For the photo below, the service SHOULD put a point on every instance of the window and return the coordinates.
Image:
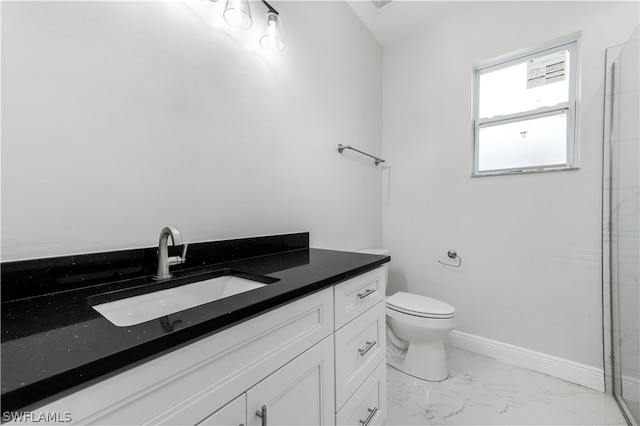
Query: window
(524, 113)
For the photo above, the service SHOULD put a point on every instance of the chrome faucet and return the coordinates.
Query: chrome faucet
(164, 261)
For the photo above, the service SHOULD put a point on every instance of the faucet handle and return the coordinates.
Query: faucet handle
(178, 260)
(183, 258)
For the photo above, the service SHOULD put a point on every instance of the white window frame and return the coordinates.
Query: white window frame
(568, 107)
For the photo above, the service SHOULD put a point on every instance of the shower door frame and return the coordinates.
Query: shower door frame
(609, 281)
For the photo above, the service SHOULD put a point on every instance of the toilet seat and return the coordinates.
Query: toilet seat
(420, 306)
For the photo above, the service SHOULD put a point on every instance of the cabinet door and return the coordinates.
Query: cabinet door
(232, 414)
(300, 393)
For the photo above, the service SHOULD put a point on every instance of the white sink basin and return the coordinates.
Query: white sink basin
(138, 309)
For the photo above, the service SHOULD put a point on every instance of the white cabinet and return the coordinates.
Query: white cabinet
(282, 360)
(185, 386)
(232, 414)
(300, 393)
(360, 346)
(355, 296)
(368, 405)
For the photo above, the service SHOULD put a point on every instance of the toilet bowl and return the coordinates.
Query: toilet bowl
(416, 328)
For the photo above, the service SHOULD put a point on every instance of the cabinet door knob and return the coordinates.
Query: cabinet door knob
(372, 412)
(262, 413)
(367, 348)
(366, 293)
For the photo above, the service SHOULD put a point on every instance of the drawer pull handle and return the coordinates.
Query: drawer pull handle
(262, 413)
(372, 412)
(367, 292)
(368, 348)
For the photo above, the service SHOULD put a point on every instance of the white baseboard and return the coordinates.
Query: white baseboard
(631, 388)
(565, 369)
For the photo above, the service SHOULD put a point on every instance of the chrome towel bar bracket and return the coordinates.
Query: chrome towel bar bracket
(376, 160)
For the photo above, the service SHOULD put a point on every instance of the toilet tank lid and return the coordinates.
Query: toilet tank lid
(384, 252)
(419, 304)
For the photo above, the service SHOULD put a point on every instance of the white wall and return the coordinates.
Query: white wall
(531, 244)
(119, 118)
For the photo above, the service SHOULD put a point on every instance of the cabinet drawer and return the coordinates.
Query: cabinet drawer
(368, 406)
(358, 294)
(360, 346)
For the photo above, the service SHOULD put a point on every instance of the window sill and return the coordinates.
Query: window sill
(523, 172)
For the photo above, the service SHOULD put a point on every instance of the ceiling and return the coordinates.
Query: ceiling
(400, 18)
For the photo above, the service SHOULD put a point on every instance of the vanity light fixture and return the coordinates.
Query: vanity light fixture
(238, 15)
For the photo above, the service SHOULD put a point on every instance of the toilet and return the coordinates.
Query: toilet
(416, 328)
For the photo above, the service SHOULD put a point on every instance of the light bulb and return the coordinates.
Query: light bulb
(271, 39)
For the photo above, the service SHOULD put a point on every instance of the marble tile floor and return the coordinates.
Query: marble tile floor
(483, 391)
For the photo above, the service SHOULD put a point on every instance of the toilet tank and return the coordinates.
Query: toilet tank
(381, 251)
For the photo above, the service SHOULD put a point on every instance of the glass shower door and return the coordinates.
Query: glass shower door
(625, 227)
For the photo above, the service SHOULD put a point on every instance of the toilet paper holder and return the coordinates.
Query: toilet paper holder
(452, 255)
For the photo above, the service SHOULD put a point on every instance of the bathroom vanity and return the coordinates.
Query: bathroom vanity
(307, 348)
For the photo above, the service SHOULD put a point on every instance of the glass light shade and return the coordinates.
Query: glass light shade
(271, 39)
(238, 14)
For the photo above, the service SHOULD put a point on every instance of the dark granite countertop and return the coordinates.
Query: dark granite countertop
(54, 342)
